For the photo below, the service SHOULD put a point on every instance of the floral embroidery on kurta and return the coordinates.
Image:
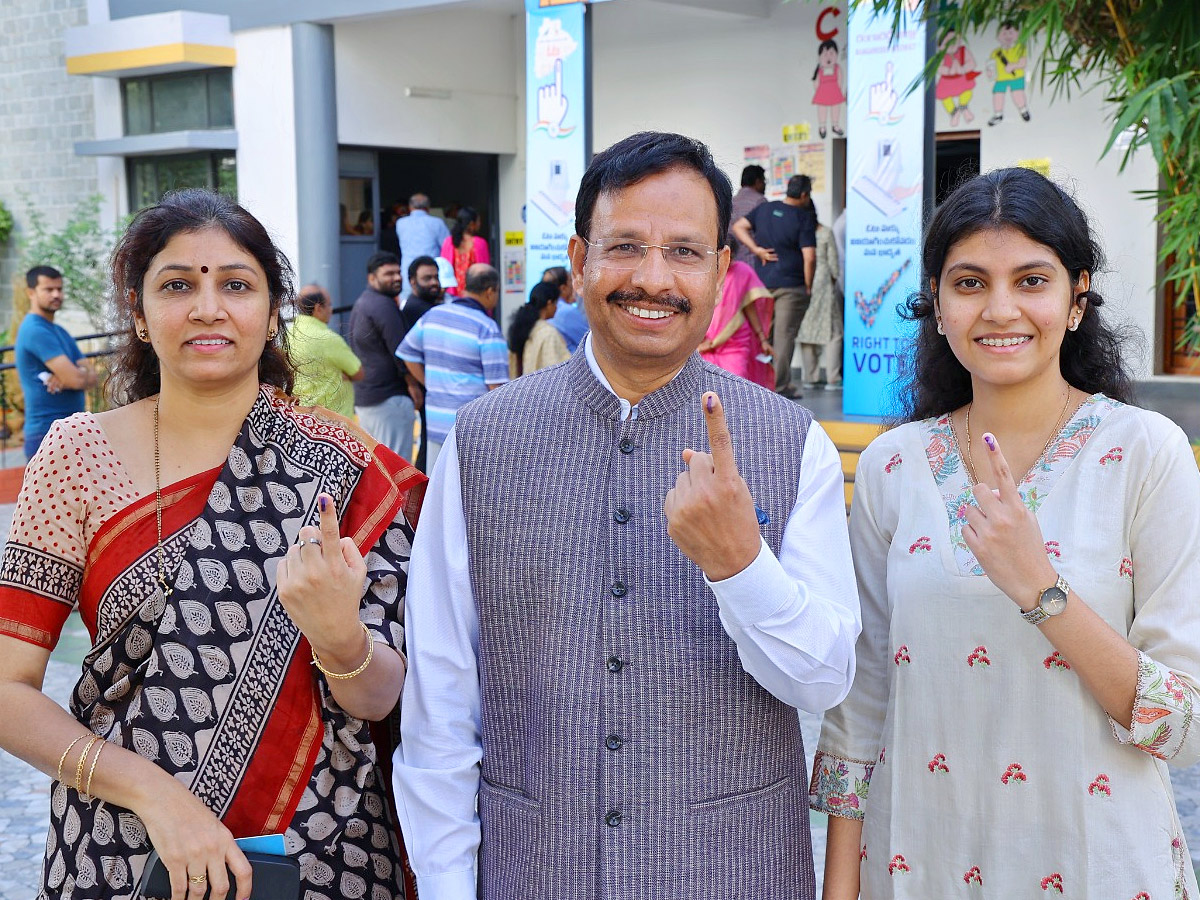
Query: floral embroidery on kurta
(1053, 882)
(1014, 774)
(1056, 661)
(1160, 693)
(890, 466)
(898, 865)
(1100, 786)
(839, 786)
(973, 876)
(979, 657)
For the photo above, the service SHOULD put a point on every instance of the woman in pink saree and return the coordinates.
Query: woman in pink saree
(737, 339)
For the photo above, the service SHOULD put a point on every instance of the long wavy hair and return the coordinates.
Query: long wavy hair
(520, 326)
(135, 374)
(932, 380)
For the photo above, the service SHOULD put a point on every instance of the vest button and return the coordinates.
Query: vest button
(615, 664)
(613, 742)
(626, 446)
(622, 515)
(619, 589)
(613, 819)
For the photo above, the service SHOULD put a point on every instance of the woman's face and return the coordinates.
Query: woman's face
(206, 306)
(1006, 302)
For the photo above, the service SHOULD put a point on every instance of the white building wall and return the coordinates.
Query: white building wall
(264, 114)
(468, 54)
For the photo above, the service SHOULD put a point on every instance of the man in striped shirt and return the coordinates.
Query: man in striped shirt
(458, 352)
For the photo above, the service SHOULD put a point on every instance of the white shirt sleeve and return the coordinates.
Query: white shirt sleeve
(795, 619)
(436, 766)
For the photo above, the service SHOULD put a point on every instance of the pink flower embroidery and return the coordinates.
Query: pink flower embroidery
(979, 656)
(921, 545)
(1126, 570)
(1053, 882)
(1100, 785)
(1055, 661)
(898, 865)
(973, 876)
(1115, 455)
(892, 463)
(902, 657)
(938, 763)
(1171, 686)
(882, 755)
(1053, 548)
(1013, 773)
(1141, 895)
(862, 854)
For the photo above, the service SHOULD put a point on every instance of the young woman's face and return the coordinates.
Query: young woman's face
(1006, 302)
(207, 308)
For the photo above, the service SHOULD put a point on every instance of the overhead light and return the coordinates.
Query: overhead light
(427, 93)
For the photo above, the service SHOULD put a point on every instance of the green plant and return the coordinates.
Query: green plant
(6, 224)
(1145, 56)
(79, 249)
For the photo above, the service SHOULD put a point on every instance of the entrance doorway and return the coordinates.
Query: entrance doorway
(451, 180)
(956, 160)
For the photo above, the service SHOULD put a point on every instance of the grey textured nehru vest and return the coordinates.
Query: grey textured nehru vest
(626, 753)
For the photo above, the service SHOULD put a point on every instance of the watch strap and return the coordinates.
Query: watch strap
(1038, 614)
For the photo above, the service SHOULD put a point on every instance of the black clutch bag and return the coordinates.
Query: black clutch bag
(275, 878)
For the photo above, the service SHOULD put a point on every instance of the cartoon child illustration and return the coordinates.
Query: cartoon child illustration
(1006, 65)
(956, 79)
(830, 93)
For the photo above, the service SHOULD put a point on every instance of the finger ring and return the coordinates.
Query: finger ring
(316, 541)
(198, 879)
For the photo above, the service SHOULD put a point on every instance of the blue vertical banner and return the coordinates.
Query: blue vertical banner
(555, 129)
(885, 162)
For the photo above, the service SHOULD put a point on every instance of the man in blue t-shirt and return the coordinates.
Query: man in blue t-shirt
(53, 373)
(782, 235)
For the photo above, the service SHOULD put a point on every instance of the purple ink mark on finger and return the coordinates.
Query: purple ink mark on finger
(989, 440)
(709, 402)
(321, 501)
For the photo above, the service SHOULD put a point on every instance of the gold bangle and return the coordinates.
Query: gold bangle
(62, 759)
(83, 759)
(87, 791)
(362, 668)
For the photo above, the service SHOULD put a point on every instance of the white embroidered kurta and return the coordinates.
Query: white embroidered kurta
(981, 764)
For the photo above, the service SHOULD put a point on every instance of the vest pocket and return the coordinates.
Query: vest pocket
(495, 797)
(737, 801)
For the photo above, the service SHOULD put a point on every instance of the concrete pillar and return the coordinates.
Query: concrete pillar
(316, 154)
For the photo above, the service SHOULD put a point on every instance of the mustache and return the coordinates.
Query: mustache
(675, 301)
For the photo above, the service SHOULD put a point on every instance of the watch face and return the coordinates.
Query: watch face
(1053, 601)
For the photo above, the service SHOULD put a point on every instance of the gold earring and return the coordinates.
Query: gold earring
(939, 326)
(271, 334)
(143, 335)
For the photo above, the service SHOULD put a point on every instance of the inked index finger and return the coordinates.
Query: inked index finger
(330, 530)
(1000, 470)
(719, 440)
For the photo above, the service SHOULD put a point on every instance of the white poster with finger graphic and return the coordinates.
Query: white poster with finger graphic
(885, 179)
(555, 120)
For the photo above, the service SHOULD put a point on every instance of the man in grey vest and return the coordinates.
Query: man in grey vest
(631, 569)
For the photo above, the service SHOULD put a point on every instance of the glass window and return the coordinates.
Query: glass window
(152, 176)
(179, 102)
(356, 206)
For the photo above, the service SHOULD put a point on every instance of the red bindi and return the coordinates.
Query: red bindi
(204, 269)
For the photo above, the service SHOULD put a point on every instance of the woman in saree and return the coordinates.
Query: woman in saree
(239, 563)
(737, 336)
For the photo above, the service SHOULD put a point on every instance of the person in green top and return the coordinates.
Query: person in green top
(325, 364)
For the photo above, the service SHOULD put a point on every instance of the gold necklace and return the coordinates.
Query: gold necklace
(1062, 418)
(162, 564)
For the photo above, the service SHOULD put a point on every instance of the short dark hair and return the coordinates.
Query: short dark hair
(135, 374)
(751, 174)
(381, 259)
(798, 186)
(556, 275)
(480, 279)
(417, 263)
(932, 380)
(309, 300)
(31, 277)
(641, 155)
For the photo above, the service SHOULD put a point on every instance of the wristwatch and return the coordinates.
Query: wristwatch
(1051, 602)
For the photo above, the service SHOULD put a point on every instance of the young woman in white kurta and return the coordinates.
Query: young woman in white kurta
(980, 755)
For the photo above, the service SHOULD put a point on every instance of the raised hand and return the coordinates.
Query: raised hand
(320, 584)
(882, 97)
(710, 514)
(552, 105)
(1005, 536)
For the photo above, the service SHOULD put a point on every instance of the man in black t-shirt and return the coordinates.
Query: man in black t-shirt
(782, 235)
(386, 399)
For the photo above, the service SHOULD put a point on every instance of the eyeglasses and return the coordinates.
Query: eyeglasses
(682, 257)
